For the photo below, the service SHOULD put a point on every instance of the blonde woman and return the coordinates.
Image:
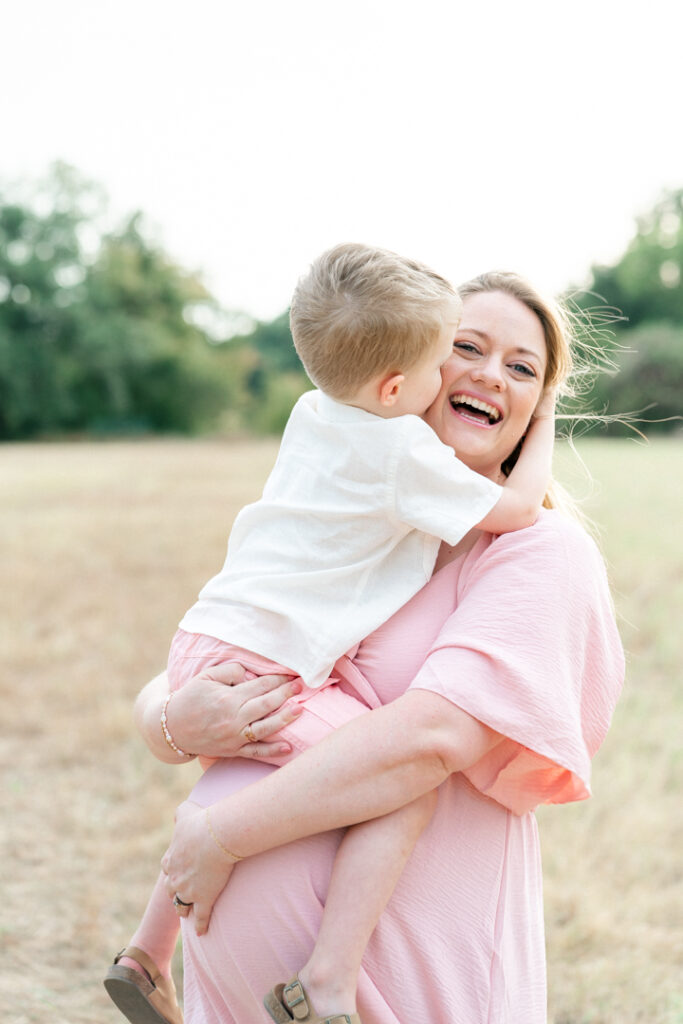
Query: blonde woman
(497, 680)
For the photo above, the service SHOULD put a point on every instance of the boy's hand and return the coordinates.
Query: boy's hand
(546, 404)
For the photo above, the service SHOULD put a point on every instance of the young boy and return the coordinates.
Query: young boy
(347, 531)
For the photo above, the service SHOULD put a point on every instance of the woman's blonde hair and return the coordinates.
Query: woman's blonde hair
(570, 356)
(362, 311)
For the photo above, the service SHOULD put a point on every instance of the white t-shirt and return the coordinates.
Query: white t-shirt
(347, 530)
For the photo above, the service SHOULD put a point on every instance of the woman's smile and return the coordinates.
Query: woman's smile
(476, 409)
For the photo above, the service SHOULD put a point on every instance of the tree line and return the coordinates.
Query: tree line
(642, 294)
(102, 333)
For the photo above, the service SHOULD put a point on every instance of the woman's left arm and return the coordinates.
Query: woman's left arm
(371, 766)
(534, 627)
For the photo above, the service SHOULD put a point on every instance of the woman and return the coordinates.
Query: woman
(498, 681)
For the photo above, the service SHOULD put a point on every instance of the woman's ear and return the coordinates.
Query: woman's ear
(390, 389)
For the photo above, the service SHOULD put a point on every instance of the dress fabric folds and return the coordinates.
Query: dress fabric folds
(519, 633)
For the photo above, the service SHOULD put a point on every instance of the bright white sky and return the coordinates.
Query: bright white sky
(526, 135)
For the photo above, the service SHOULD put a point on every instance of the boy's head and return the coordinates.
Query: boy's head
(362, 312)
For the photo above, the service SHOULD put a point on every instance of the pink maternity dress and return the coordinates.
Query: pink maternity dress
(520, 633)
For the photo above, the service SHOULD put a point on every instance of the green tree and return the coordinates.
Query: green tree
(646, 283)
(143, 363)
(648, 384)
(275, 377)
(98, 331)
(646, 286)
(273, 342)
(42, 267)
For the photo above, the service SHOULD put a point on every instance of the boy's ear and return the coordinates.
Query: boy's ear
(390, 388)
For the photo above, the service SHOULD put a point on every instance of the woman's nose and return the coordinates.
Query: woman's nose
(490, 373)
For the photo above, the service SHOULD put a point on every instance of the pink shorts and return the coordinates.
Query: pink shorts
(325, 708)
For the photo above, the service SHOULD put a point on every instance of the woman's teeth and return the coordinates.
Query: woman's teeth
(490, 411)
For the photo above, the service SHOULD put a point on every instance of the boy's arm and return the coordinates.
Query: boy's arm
(525, 488)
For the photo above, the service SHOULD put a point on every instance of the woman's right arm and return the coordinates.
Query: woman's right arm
(209, 715)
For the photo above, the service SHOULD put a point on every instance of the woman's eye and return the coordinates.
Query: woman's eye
(465, 346)
(523, 368)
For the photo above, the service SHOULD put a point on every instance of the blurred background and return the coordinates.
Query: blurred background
(167, 174)
(167, 171)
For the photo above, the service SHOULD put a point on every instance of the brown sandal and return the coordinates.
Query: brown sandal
(143, 1000)
(287, 1003)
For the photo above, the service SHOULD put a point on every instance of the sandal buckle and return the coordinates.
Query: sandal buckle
(294, 994)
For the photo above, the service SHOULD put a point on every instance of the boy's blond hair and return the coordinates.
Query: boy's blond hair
(361, 312)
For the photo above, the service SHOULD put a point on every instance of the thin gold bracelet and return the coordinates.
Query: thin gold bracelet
(217, 841)
(166, 731)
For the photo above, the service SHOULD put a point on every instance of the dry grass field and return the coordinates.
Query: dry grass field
(103, 546)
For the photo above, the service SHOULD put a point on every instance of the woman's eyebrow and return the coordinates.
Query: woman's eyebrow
(528, 352)
(473, 330)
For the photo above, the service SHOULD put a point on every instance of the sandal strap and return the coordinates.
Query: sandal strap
(140, 957)
(294, 998)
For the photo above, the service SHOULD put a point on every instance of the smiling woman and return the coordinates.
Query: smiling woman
(498, 681)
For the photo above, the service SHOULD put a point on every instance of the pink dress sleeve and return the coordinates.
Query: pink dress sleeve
(532, 651)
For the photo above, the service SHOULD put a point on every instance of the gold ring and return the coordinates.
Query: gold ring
(249, 734)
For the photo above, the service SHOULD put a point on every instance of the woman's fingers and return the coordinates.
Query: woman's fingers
(202, 916)
(265, 707)
(259, 731)
(266, 751)
(181, 904)
(263, 729)
(265, 687)
(230, 673)
(212, 886)
(182, 907)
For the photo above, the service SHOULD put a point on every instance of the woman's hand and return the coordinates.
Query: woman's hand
(219, 713)
(196, 868)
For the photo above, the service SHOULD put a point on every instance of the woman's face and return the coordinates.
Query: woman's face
(492, 382)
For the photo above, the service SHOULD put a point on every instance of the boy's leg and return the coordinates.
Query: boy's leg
(370, 860)
(371, 856)
(157, 932)
(140, 984)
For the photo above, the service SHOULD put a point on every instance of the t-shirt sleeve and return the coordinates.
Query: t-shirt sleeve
(433, 491)
(532, 650)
